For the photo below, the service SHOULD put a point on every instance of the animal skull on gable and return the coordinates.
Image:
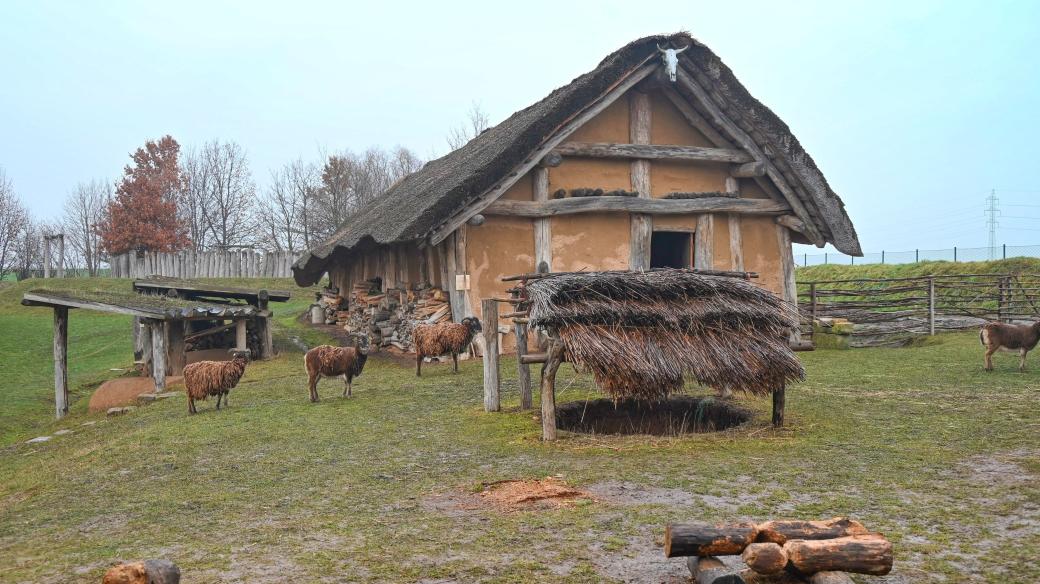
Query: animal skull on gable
(671, 60)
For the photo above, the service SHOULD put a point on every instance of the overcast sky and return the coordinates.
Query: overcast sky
(913, 110)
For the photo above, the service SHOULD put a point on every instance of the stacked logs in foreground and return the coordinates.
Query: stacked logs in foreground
(780, 552)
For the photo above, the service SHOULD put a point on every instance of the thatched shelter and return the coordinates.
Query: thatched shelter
(641, 333)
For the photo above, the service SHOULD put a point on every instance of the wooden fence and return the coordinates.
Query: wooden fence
(207, 264)
(889, 311)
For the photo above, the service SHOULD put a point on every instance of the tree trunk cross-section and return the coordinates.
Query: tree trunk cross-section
(765, 558)
(706, 539)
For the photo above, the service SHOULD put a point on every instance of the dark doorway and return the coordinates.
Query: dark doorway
(671, 249)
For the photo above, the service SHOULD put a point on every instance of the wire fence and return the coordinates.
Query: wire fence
(953, 254)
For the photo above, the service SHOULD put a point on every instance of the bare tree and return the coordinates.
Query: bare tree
(191, 203)
(13, 221)
(28, 250)
(229, 193)
(84, 211)
(284, 217)
(476, 122)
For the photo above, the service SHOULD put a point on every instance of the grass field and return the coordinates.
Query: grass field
(843, 272)
(918, 443)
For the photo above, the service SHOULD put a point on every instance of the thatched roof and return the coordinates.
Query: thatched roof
(639, 333)
(134, 304)
(423, 200)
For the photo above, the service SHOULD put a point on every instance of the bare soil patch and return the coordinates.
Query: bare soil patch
(123, 391)
(510, 495)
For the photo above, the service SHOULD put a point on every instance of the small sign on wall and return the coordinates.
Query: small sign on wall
(462, 281)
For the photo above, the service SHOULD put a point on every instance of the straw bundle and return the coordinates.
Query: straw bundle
(639, 333)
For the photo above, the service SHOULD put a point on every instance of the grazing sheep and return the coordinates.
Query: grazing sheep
(207, 378)
(146, 572)
(1010, 337)
(433, 340)
(330, 361)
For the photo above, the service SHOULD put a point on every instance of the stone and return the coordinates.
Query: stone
(38, 439)
(145, 398)
(167, 394)
(90, 423)
(62, 432)
(120, 411)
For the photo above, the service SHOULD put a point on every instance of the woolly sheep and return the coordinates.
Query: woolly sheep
(331, 361)
(432, 340)
(207, 378)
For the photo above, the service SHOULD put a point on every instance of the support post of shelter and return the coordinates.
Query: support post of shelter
(554, 358)
(492, 385)
(523, 370)
(159, 355)
(778, 406)
(177, 354)
(240, 335)
(61, 361)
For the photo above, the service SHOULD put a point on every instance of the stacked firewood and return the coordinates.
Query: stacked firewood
(780, 552)
(390, 317)
(332, 304)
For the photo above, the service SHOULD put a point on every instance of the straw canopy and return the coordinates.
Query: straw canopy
(639, 333)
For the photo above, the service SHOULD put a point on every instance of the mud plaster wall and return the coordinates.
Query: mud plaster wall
(502, 246)
(761, 251)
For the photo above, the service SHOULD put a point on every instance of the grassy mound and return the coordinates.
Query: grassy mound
(845, 272)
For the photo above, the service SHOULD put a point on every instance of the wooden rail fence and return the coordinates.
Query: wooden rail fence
(207, 264)
(889, 311)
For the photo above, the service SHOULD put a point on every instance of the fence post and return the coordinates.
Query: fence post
(882, 256)
(523, 373)
(1003, 254)
(805, 260)
(955, 253)
(852, 260)
(489, 311)
(812, 301)
(917, 256)
(825, 258)
(931, 305)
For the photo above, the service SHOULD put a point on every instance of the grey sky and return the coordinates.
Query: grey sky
(914, 111)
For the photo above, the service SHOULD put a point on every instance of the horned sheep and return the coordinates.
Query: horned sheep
(432, 340)
(207, 378)
(328, 361)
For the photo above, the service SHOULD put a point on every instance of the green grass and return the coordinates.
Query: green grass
(843, 272)
(918, 443)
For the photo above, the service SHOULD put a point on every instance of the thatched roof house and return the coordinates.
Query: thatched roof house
(640, 333)
(690, 172)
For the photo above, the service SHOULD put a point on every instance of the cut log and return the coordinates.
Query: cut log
(749, 576)
(765, 558)
(860, 554)
(706, 539)
(779, 532)
(830, 578)
(711, 570)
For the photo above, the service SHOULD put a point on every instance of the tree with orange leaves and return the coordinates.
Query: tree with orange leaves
(143, 214)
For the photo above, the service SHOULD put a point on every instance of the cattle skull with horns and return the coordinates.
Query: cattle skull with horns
(671, 60)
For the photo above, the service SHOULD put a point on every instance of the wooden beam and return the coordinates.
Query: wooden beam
(787, 274)
(651, 151)
(791, 222)
(745, 141)
(736, 243)
(159, 355)
(704, 243)
(33, 299)
(641, 225)
(552, 364)
(175, 336)
(492, 383)
(61, 361)
(489, 196)
(241, 343)
(551, 160)
(572, 205)
(542, 225)
(749, 170)
(523, 370)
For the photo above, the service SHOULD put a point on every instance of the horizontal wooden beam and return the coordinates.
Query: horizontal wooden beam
(652, 152)
(749, 170)
(791, 222)
(574, 205)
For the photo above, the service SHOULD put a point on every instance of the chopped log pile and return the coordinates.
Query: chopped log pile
(387, 317)
(777, 552)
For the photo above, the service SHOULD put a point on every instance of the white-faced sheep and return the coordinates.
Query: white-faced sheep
(328, 361)
(433, 340)
(207, 378)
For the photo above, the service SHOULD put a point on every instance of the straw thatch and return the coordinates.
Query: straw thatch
(639, 333)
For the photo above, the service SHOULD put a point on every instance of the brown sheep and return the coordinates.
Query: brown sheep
(146, 572)
(330, 361)
(433, 340)
(1010, 337)
(207, 378)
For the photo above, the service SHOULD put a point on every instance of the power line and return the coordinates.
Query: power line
(991, 221)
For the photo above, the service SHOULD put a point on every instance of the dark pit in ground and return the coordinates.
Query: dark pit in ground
(671, 417)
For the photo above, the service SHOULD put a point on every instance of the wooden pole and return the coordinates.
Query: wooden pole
(492, 385)
(642, 225)
(240, 335)
(61, 361)
(159, 355)
(542, 225)
(178, 356)
(523, 370)
(812, 301)
(931, 306)
(548, 386)
(778, 406)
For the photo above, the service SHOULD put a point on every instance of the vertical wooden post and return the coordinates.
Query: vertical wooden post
(542, 225)
(61, 361)
(159, 355)
(263, 324)
(175, 336)
(46, 256)
(736, 243)
(492, 386)
(642, 225)
(812, 301)
(778, 406)
(523, 370)
(554, 358)
(790, 286)
(240, 335)
(704, 243)
(931, 306)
